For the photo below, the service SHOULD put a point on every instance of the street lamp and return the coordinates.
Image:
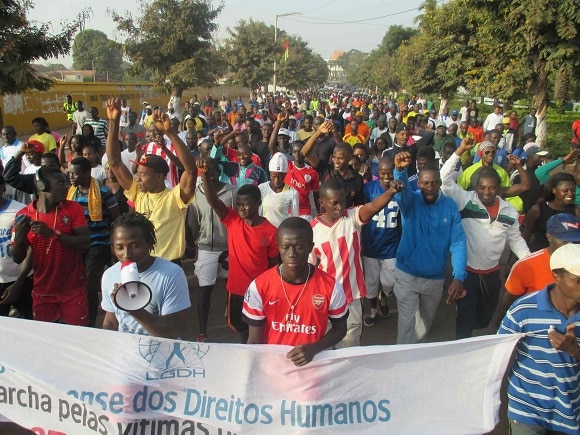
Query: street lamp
(94, 73)
(276, 39)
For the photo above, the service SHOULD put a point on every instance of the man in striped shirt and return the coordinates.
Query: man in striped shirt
(544, 385)
(100, 126)
(101, 209)
(337, 249)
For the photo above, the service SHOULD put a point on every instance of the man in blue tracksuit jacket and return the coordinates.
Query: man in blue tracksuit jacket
(431, 230)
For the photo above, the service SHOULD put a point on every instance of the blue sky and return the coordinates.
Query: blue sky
(327, 25)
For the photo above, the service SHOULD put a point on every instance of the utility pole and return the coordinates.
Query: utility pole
(276, 39)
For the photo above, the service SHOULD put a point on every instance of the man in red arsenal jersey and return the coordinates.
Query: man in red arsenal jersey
(292, 303)
(57, 232)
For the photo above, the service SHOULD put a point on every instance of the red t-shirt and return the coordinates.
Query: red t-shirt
(477, 133)
(304, 180)
(249, 249)
(266, 303)
(57, 269)
(576, 129)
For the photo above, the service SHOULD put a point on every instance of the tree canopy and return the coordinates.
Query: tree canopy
(172, 39)
(250, 52)
(23, 43)
(92, 48)
(506, 49)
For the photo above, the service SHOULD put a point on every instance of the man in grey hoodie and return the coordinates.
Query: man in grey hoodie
(211, 239)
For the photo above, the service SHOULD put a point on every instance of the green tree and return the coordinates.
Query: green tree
(537, 39)
(350, 62)
(378, 70)
(23, 43)
(250, 52)
(427, 6)
(93, 49)
(173, 39)
(394, 37)
(56, 67)
(436, 59)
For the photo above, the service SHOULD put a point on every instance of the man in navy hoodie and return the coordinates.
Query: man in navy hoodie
(432, 230)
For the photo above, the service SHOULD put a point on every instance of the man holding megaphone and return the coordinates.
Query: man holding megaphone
(143, 294)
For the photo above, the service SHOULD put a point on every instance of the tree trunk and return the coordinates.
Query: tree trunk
(561, 88)
(540, 101)
(175, 98)
(444, 101)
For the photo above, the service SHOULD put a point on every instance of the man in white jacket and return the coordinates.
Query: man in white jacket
(489, 223)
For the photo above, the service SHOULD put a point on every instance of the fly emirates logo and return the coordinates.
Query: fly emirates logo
(293, 325)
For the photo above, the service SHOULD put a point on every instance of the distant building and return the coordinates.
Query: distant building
(335, 72)
(70, 75)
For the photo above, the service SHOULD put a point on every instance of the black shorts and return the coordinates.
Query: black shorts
(24, 302)
(235, 305)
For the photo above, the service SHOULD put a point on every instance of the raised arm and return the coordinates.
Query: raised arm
(61, 156)
(404, 197)
(12, 175)
(308, 149)
(449, 186)
(189, 176)
(211, 195)
(113, 151)
(526, 180)
(370, 209)
(273, 143)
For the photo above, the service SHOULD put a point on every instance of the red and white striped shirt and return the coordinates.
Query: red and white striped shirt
(337, 247)
(172, 176)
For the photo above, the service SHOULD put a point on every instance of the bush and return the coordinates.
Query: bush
(559, 132)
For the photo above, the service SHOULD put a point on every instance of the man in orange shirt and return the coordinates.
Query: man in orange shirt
(476, 130)
(354, 136)
(362, 129)
(533, 273)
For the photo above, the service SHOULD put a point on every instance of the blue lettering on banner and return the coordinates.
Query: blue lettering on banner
(321, 415)
(169, 360)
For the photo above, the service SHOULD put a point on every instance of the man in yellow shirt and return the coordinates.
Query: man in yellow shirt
(40, 127)
(166, 208)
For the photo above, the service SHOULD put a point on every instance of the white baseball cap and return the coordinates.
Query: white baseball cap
(566, 257)
(278, 163)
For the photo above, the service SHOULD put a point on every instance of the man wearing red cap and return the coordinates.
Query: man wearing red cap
(165, 207)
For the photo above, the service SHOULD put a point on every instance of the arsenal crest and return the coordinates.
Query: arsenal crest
(65, 220)
(318, 301)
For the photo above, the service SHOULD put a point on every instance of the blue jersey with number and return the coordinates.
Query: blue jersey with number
(380, 236)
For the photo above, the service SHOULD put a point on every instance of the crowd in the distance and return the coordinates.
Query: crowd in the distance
(309, 203)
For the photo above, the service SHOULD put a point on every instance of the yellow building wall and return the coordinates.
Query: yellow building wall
(19, 109)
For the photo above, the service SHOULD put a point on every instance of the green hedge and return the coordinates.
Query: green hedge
(560, 132)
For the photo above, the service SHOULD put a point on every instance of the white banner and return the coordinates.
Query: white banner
(72, 380)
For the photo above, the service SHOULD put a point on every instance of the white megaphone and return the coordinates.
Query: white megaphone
(132, 294)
